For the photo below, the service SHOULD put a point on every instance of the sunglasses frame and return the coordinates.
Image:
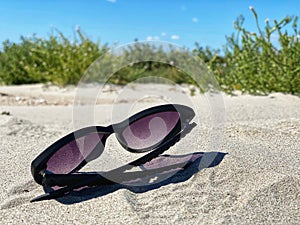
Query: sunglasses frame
(186, 114)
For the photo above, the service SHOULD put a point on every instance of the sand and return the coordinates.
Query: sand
(258, 182)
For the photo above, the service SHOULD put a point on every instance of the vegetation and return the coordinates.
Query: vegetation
(253, 64)
(250, 62)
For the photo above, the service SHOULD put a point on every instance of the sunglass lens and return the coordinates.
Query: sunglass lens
(71, 155)
(150, 130)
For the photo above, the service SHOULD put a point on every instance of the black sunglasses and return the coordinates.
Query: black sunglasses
(155, 129)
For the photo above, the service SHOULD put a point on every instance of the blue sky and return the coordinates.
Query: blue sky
(121, 21)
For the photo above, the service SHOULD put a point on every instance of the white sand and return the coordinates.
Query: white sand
(258, 182)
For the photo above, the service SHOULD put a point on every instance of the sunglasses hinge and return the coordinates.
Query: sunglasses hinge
(42, 173)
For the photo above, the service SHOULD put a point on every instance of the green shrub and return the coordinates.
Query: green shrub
(254, 65)
(56, 60)
(251, 62)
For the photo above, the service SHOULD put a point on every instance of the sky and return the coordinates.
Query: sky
(182, 22)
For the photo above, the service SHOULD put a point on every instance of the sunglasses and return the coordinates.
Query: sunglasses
(155, 129)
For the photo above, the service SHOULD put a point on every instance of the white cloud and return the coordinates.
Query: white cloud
(163, 34)
(175, 37)
(152, 38)
(195, 20)
(149, 38)
(112, 1)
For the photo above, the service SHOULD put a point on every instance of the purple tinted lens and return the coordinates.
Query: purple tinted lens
(150, 130)
(68, 157)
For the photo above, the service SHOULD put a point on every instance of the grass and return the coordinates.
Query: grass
(251, 63)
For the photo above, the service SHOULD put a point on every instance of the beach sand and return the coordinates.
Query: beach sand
(257, 182)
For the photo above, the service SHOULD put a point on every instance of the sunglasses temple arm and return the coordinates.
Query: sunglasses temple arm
(62, 180)
(94, 180)
(87, 182)
(61, 192)
(100, 180)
